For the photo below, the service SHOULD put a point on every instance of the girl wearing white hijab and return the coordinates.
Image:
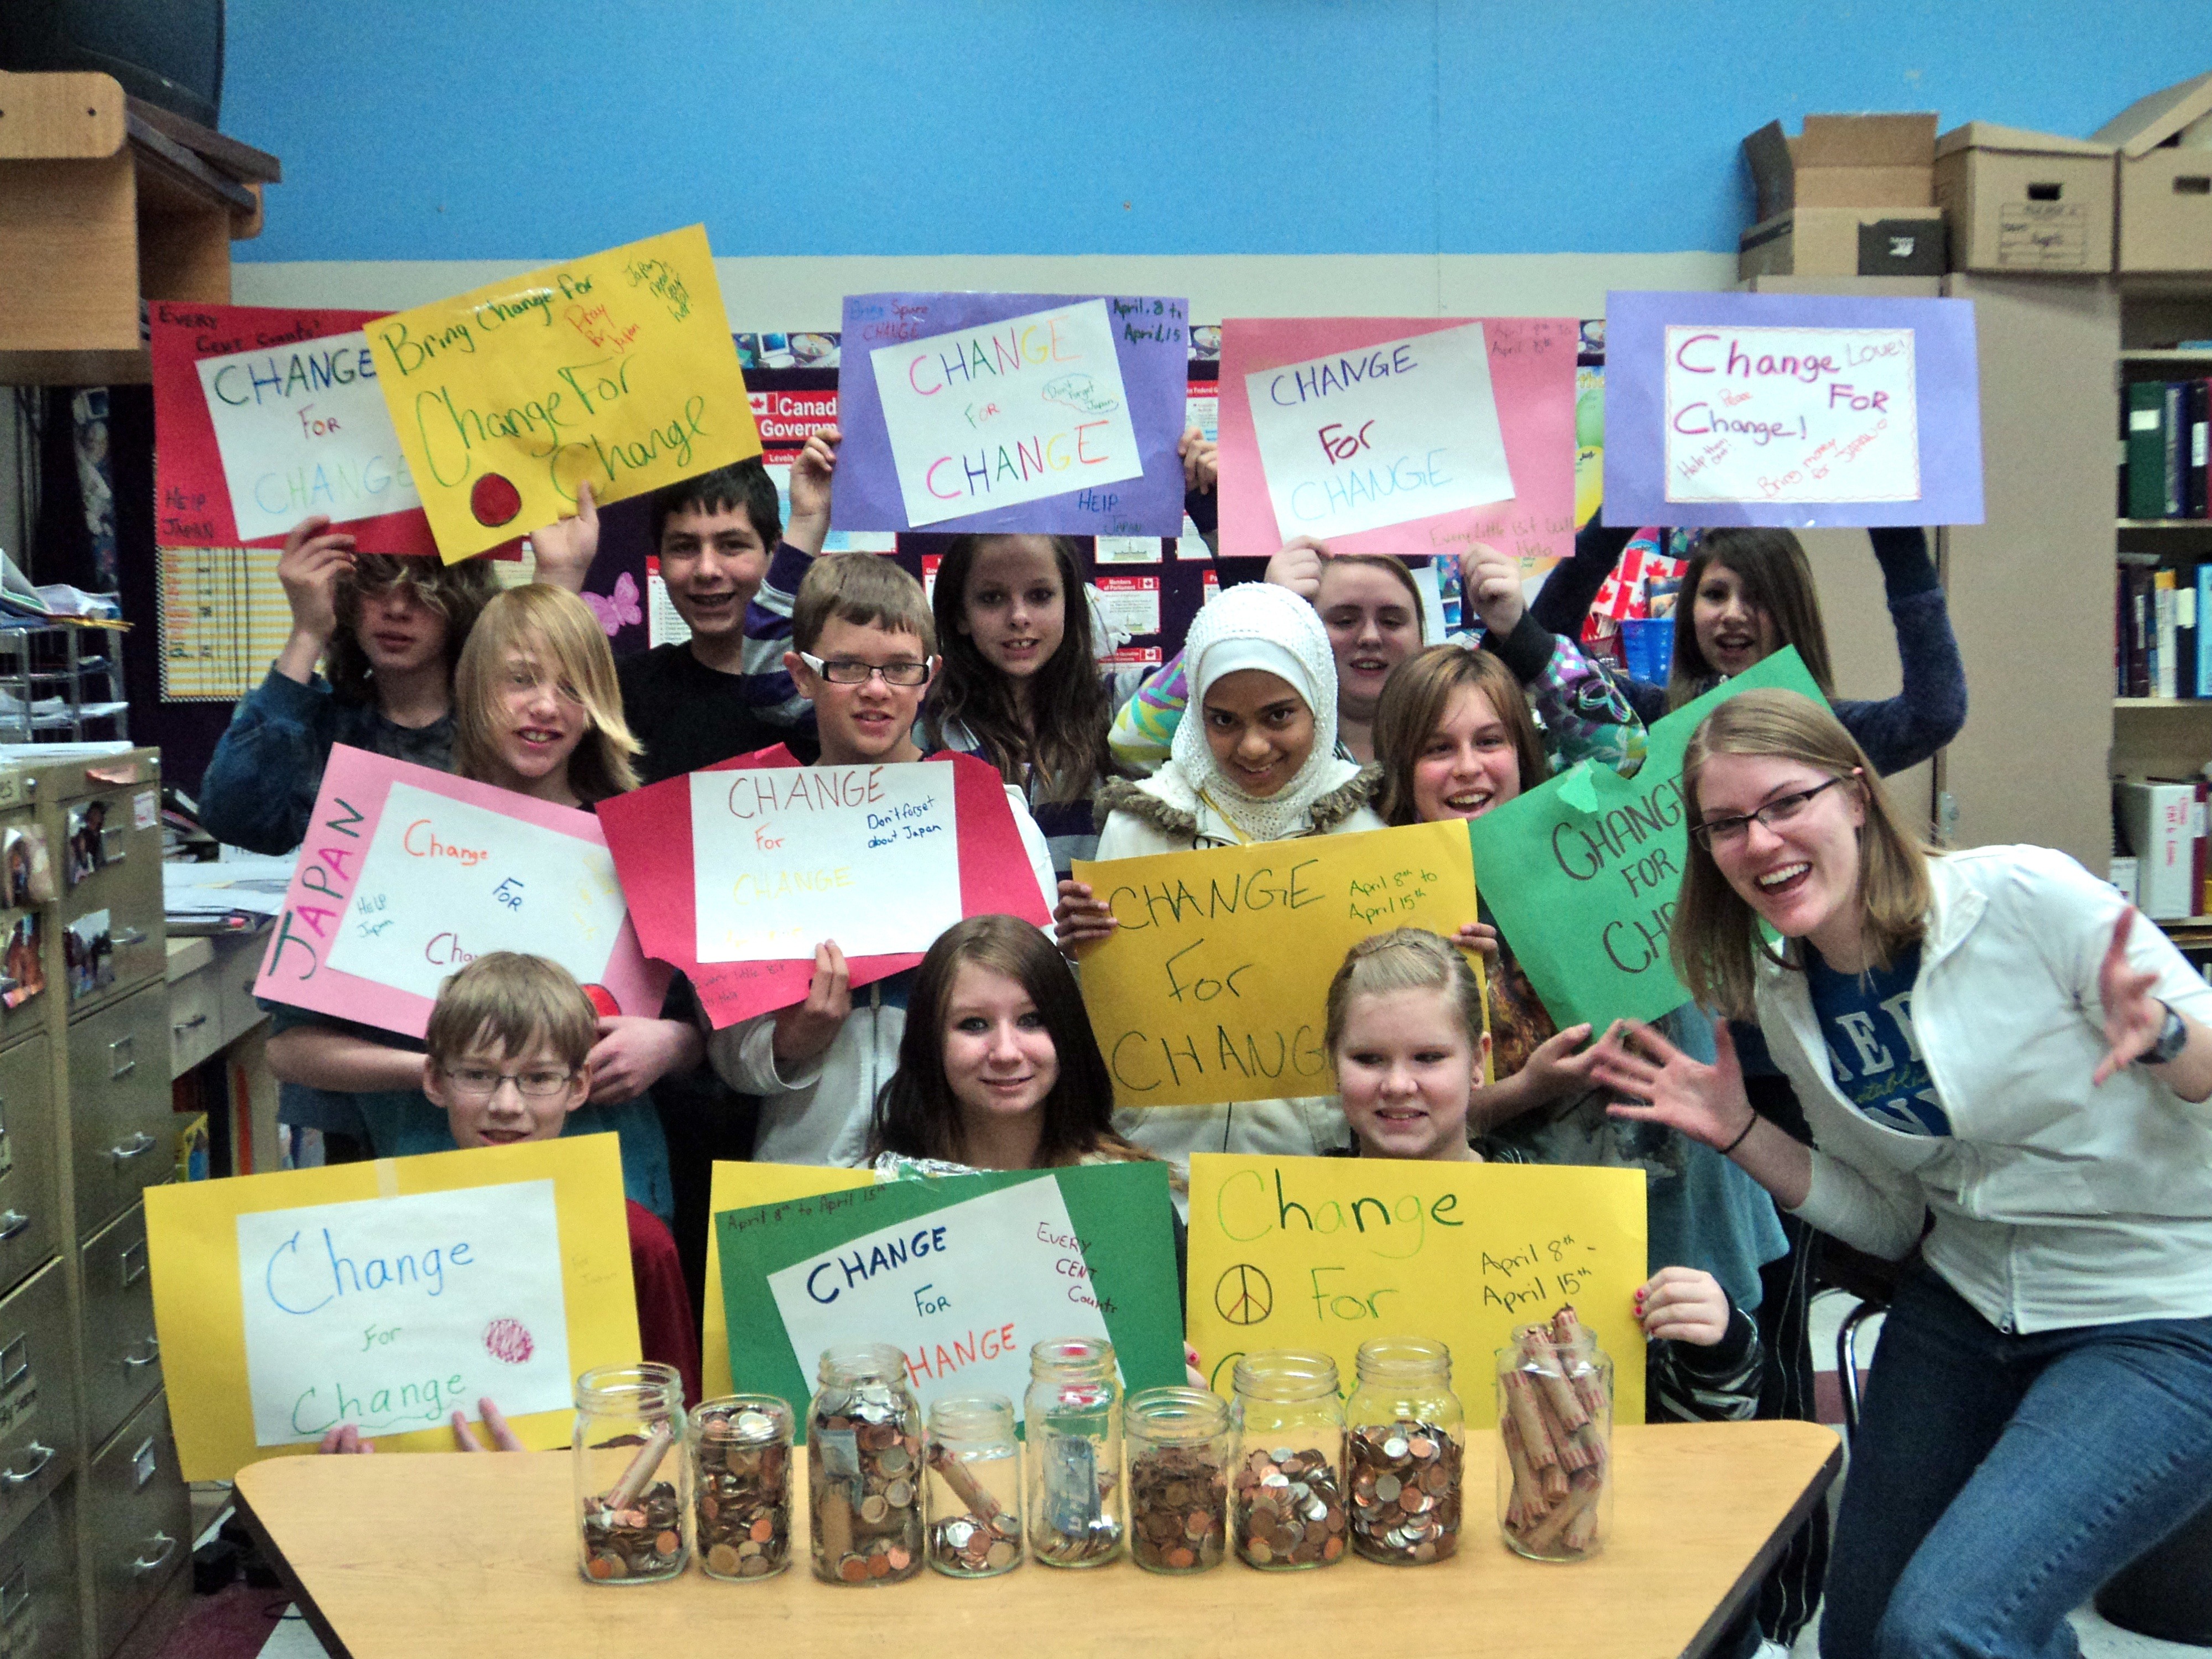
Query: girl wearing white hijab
(1258, 764)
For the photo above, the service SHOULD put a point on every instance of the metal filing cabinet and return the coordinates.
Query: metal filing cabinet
(122, 1356)
(121, 1134)
(138, 1522)
(39, 1613)
(38, 1417)
(30, 1196)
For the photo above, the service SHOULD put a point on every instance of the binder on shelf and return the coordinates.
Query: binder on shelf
(2146, 449)
(2186, 638)
(2199, 420)
(2204, 574)
(2139, 631)
(2175, 439)
(2158, 821)
(2166, 680)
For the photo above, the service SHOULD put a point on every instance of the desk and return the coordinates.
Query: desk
(212, 1012)
(474, 1557)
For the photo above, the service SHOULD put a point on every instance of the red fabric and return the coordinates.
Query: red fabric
(666, 1331)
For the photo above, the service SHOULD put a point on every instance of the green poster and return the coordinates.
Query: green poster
(963, 1273)
(1581, 875)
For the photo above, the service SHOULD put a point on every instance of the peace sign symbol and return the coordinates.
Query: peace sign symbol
(1242, 1296)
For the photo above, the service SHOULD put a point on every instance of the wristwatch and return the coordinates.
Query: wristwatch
(2173, 1038)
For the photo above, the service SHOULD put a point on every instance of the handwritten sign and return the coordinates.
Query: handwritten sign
(788, 856)
(744, 1187)
(388, 1295)
(1472, 435)
(1322, 1253)
(1581, 874)
(1212, 988)
(1791, 409)
(965, 1273)
(1012, 412)
(407, 874)
(617, 370)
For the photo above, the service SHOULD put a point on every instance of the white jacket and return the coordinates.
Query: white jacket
(819, 1113)
(2057, 1204)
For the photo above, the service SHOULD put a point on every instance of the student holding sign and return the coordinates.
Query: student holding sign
(1989, 1038)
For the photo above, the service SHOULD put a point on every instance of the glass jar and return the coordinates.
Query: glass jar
(1405, 1452)
(1072, 1419)
(864, 1466)
(1554, 1441)
(631, 1474)
(741, 1486)
(1287, 1491)
(1179, 1458)
(975, 1486)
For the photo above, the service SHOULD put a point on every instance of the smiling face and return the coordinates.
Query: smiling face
(713, 563)
(1260, 730)
(872, 721)
(999, 1060)
(1469, 764)
(398, 632)
(1015, 607)
(1731, 631)
(1801, 875)
(1373, 626)
(1404, 1068)
(539, 720)
(505, 1115)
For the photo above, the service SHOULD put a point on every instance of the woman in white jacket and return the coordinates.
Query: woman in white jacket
(1993, 1040)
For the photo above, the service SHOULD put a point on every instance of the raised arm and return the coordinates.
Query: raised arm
(1930, 708)
(1571, 588)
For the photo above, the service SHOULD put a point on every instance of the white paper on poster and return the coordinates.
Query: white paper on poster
(1129, 605)
(1381, 435)
(785, 857)
(964, 1291)
(445, 881)
(1822, 415)
(1007, 412)
(302, 428)
(390, 1313)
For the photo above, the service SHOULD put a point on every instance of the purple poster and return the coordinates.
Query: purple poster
(1040, 412)
(1790, 410)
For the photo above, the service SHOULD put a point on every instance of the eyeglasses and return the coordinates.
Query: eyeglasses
(1727, 832)
(851, 670)
(473, 1083)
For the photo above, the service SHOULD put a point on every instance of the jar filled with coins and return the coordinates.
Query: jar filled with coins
(741, 1486)
(864, 1466)
(974, 1486)
(1554, 1441)
(1286, 1490)
(1179, 1459)
(1405, 1451)
(632, 1477)
(1072, 1420)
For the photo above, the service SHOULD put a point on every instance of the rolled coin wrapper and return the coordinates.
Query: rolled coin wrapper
(1555, 1415)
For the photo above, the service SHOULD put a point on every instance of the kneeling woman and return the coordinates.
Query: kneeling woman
(1990, 1038)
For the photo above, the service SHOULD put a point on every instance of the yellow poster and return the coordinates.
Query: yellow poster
(739, 1186)
(1327, 1252)
(1213, 987)
(387, 1294)
(617, 368)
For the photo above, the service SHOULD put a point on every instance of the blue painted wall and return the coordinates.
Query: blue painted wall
(474, 129)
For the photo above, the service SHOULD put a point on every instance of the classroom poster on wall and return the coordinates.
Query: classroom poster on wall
(408, 874)
(1053, 413)
(1323, 1253)
(1213, 987)
(1791, 410)
(1581, 873)
(616, 369)
(1411, 436)
(388, 1295)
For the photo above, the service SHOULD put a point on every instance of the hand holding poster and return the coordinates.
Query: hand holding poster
(1788, 409)
(1212, 987)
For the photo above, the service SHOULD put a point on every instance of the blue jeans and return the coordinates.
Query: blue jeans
(1997, 1481)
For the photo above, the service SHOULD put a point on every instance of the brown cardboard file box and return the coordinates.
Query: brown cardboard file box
(1852, 195)
(1877, 241)
(2164, 177)
(2016, 201)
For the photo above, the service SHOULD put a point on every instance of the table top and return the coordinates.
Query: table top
(446, 1554)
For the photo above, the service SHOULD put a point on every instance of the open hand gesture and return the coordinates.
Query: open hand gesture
(2133, 1017)
(1706, 1102)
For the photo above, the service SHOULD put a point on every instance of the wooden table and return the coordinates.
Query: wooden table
(474, 1557)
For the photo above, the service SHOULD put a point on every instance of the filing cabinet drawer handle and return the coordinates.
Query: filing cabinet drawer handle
(11, 1477)
(141, 1142)
(151, 1356)
(121, 1045)
(193, 1025)
(131, 936)
(168, 1548)
(11, 1223)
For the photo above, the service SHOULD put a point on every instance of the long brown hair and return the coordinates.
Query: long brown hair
(555, 632)
(1776, 579)
(458, 593)
(1414, 702)
(1716, 933)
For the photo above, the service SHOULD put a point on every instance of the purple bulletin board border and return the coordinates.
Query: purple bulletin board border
(1153, 346)
(1947, 378)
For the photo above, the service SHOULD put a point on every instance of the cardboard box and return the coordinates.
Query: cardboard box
(2020, 201)
(2157, 823)
(2165, 185)
(1871, 241)
(1844, 162)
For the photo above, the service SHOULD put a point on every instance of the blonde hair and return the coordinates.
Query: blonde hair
(1716, 933)
(555, 632)
(867, 591)
(1404, 959)
(1415, 700)
(509, 1002)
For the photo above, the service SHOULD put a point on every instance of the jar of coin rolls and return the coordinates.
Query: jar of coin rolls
(1554, 1441)
(1405, 1450)
(1179, 1451)
(633, 1479)
(974, 1486)
(1286, 1490)
(864, 1466)
(741, 1486)
(1072, 1419)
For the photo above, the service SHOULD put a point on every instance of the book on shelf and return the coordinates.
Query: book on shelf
(2197, 421)
(2164, 681)
(2168, 425)
(2146, 494)
(2161, 824)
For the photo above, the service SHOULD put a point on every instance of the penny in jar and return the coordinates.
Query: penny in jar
(1290, 1511)
(1405, 1479)
(1178, 1509)
(742, 1495)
